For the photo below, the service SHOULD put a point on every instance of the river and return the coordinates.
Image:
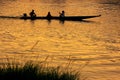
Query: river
(92, 45)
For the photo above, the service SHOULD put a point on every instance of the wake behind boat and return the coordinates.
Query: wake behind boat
(71, 18)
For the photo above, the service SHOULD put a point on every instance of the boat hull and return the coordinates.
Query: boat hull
(72, 18)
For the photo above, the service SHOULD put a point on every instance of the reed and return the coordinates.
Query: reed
(30, 71)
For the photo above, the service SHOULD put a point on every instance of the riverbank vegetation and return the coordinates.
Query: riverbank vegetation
(30, 71)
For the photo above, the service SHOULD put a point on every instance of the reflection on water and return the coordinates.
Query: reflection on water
(95, 41)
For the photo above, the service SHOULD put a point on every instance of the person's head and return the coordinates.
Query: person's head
(63, 11)
(24, 14)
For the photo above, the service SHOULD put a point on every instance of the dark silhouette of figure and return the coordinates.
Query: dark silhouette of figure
(62, 14)
(49, 15)
(24, 15)
(32, 14)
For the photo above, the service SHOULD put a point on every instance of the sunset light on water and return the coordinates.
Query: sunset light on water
(92, 44)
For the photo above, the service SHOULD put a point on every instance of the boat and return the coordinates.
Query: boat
(71, 18)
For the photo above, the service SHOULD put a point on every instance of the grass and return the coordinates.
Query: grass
(31, 71)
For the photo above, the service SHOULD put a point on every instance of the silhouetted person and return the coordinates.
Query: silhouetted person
(62, 14)
(32, 14)
(49, 15)
(24, 15)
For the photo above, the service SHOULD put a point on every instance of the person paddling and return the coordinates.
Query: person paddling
(62, 14)
(32, 14)
(24, 15)
(49, 15)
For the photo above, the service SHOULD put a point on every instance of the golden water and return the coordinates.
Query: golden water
(95, 42)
